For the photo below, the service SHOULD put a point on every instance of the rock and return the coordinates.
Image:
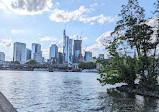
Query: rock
(126, 88)
(5, 105)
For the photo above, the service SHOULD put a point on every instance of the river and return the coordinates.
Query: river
(42, 91)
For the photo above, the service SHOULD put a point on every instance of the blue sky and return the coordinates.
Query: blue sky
(43, 21)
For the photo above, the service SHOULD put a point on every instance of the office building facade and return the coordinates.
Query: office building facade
(2, 57)
(36, 53)
(28, 54)
(19, 52)
(88, 56)
(77, 51)
(60, 58)
(70, 45)
(53, 54)
(67, 49)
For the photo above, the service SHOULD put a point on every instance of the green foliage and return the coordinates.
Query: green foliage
(32, 62)
(156, 4)
(108, 73)
(88, 65)
(123, 68)
(119, 69)
(15, 62)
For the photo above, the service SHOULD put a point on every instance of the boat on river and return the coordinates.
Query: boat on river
(51, 70)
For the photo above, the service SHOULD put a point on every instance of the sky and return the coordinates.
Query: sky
(43, 22)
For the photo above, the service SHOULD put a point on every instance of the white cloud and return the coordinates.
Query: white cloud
(48, 39)
(85, 38)
(153, 22)
(26, 7)
(45, 53)
(6, 42)
(105, 38)
(57, 3)
(65, 16)
(101, 19)
(59, 45)
(101, 42)
(93, 5)
(79, 15)
(15, 31)
(8, 57)
(74, 36)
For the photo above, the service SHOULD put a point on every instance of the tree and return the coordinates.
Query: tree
(119, 69)
(88, 65)
(32, 62)
(131, 33)
(82, 65)
(156, 4)
(138, 36)
(131, 14)
(15, 62)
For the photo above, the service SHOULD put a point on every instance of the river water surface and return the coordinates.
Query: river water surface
(33, 91)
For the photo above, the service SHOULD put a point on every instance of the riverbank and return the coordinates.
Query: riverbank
(5, 105)
(76, 70)
(128, 89)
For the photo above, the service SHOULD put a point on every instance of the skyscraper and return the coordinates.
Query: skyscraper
(60, 59)
(88, 56)
(67, 49)
(70, 60)
(54, 54)
(2, 56)
(28, 54)
(77, 51)
(36, 53)
(19, 52)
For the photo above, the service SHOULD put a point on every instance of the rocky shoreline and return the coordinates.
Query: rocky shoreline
(128, 89)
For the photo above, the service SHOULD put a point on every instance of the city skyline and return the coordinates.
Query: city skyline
(71, 52)
(92, 20)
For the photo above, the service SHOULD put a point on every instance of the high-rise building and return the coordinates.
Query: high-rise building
(60, 55)
(67, 49)
(28, 54)
(70, 60)
(2, 56)
(88, 56)
(19, 52)
(53, 54)
(77, 51)
(101, 56)
(36, 53)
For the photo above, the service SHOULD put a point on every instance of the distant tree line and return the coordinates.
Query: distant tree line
(87, 65)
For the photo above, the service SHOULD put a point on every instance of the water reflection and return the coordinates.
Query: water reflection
(123, 102)
(68, 92)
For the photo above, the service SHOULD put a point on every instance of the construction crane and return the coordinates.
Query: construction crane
(81, 35)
